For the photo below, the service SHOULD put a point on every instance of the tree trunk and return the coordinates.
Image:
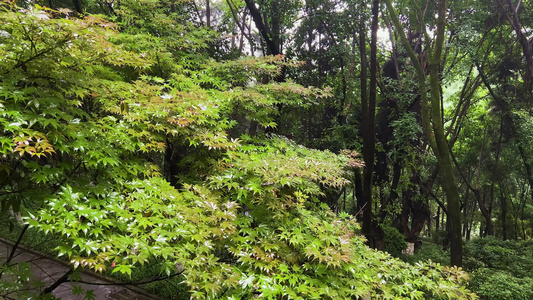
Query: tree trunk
(241, 24)
(503, 209)
(432, 122)
(522, 217)
(368, 138)
(77, 6)
(430, 218)
(465, 212)
(442, 150)
(275, 23)
(358, 193)
(437, 219)
(486, 213)
(373, 94)
(208, 12)
(415, 212)
(369, 112)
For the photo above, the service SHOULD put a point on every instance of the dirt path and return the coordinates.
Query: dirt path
(49, 269)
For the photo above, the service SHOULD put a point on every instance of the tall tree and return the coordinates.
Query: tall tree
(431, 113)
(368, 115)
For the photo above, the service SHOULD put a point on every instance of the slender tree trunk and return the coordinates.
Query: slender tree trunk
(516, 217)
(243, 34)
(437, 219)
(208, 12)
(443, 221)
(522, 216)
(367, 138)
(369, 112)
(465, 212)
(252, 47)
(503, 209)
(527, 167)
(430, 219)
(372, 105)
(241, 24)
(471, 223)
(486, 213)
(275, 23)
(358, 193)
(442, 150)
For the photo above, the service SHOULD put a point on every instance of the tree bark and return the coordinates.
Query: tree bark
(208, 12)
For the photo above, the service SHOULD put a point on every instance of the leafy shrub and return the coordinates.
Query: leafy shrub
(441, 237)
(500, 269)
(429, 251)
(513, 257)
(500, 285)
(394, 241)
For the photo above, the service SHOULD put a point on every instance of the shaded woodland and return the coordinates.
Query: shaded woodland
(271, 149)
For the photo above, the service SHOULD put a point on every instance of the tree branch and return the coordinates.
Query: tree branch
(134, 283)
(263, 29)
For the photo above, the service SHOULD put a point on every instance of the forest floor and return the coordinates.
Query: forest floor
(48, 269)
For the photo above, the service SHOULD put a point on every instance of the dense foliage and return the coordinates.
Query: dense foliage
(216, 144)
(130, 157)
(500, 269)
